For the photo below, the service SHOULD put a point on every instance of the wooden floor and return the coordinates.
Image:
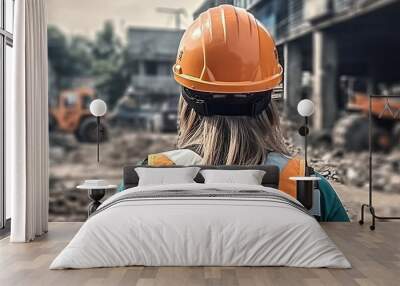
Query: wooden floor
(375, 257)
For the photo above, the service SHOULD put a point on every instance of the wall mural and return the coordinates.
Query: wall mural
(126, 60)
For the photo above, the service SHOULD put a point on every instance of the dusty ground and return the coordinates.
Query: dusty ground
(386, 204)
(71, 163)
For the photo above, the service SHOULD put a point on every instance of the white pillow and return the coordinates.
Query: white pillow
(247, 177)
(166, 176)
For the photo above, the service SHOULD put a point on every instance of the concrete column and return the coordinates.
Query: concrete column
(141, 68)
(325, 62)
(292, 78)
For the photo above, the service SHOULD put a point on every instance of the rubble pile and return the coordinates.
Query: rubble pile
(352, 169)
(349, 168)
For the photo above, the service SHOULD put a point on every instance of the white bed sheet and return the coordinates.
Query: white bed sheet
(200, 231)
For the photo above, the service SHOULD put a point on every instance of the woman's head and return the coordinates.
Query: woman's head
(232, 140)
(227, 65)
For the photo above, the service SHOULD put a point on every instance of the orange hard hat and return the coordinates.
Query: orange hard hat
(226, 50)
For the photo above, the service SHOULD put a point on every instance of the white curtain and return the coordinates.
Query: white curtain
(27, 124)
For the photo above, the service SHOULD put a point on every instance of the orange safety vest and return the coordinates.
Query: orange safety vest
(294, 166)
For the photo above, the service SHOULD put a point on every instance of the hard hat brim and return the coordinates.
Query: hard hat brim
(228, 87)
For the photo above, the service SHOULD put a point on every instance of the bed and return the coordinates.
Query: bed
(198, 224)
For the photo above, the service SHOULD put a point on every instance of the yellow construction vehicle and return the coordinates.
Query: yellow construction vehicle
(71, 114)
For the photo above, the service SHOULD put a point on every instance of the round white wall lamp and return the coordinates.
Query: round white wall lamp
(98, 107)
(306, 108)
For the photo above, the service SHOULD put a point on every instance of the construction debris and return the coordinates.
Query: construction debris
(73, 162)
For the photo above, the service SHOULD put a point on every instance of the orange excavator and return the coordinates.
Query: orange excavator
(71, 114)
(352, 131)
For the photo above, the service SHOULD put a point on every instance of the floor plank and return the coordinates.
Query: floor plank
(375, 257)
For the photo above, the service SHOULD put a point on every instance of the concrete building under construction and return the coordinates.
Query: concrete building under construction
(323, 42)
(207, 4)
(152, 53)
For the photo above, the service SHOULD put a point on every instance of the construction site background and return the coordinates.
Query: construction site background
(336, 53)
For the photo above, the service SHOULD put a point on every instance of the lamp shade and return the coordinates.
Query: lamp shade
(305, 108)
(98, 107)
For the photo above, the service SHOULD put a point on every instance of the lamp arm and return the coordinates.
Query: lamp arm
(305, 147)
(98, 138)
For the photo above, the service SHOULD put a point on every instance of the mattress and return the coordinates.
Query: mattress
(201, 225)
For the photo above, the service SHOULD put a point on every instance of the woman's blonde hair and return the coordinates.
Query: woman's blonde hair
(230, 140)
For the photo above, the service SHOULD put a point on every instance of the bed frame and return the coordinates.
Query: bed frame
(270, 179)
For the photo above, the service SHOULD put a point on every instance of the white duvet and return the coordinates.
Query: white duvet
(200, 231)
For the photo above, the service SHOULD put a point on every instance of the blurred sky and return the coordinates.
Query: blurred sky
(85, 17)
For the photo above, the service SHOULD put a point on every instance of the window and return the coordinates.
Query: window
(6, 43)
(9, 19)
(165, 68)
(70, 100)
(151, 67)
(86, 100)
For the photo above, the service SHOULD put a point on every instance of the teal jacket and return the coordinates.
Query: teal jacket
(331, 207)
